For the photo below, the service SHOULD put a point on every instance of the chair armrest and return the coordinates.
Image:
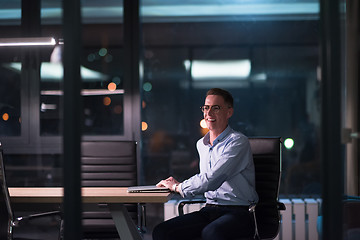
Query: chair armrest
(278, 205)
(281, 206)
(37, 215)
(183, 203)
(252, 209)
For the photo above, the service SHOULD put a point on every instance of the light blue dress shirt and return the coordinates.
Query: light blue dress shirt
(227, 172)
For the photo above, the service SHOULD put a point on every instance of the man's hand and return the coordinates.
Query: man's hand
(169, 183)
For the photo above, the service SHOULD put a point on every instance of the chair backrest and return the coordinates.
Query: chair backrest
(6, 214)
(267, 159)
(351, 212)
(107, 164)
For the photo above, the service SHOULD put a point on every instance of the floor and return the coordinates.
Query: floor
(45, 228)
(48, 228)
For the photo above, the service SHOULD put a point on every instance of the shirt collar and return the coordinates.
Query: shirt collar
(222, 135)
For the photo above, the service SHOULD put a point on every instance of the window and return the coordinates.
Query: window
(10, 96)
(275, 86)
(102, 94)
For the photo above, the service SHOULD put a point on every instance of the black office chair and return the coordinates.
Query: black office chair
(7, 220)
(267, 159)
(351, 212)
(109, 164)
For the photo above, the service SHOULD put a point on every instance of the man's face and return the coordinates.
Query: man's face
(217, 120)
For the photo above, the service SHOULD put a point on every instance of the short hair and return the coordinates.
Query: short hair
(228, 98)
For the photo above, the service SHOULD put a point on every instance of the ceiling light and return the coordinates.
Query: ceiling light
(21, 42)
(84, 92)
(55, 72)
(203, 70)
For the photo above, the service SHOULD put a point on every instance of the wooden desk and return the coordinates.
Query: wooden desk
(114, 197)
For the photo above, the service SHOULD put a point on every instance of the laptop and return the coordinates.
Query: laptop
(147, 189)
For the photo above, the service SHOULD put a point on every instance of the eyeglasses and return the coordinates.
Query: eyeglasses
(214, 108)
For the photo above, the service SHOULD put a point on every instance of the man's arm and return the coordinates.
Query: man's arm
(234, 159)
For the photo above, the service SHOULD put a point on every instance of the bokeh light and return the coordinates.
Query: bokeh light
(107, 101)
(289, 143)
(144, 126)
(203, 123)
(118, 109)
(147, 87)
(5, 116)
(116, 80)
(91, 57)
(112, 86)
(103, 52)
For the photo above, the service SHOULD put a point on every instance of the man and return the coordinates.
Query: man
(227, 179)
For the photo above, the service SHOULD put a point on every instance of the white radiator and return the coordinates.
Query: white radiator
(298, 221)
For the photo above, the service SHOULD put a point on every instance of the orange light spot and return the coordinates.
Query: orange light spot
(203, 131)
(107, 101)
(203, 124)
(112, 86)
(144, 126)
(5, 116)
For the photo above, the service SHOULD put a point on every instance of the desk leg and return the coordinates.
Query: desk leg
(123, 222)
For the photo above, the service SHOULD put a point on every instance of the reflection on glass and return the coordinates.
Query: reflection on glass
(104, 109)
(10, 98)
(102, 100)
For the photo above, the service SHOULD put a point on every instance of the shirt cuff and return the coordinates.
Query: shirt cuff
(180, 190)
